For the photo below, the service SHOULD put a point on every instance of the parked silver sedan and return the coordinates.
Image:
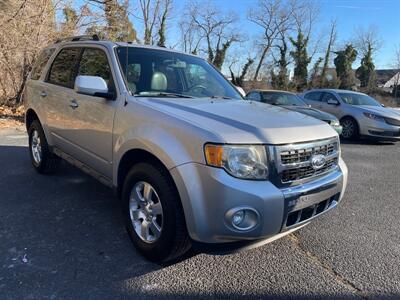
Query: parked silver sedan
(359, 114)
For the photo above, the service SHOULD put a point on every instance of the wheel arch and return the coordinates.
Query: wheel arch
(350, 117)
(30, 116)
(132, 157)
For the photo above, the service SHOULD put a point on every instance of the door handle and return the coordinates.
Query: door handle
(73, 104)
(43, 94)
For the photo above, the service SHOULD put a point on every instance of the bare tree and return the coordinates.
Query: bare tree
(274, 17)
(25, 27)
(367, 38)
(331, 42)
(396, 66)
(190, 35)
(215, 28)
(163, 22)
(150, 11)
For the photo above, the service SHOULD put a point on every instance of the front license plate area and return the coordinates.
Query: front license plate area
(311, 198)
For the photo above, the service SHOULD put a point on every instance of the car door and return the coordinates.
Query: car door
(90, 118)
(330, 108)
(56, 92)
(313, 99)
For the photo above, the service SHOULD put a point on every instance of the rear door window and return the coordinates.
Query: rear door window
(94, 62)
(62, 71)
(313, 96)
(41, 63)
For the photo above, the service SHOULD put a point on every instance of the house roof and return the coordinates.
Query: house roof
(384, 75)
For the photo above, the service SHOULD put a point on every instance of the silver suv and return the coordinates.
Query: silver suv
(360, 115)
(190, 159)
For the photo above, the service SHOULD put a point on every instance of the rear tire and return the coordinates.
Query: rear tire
(154, 219)
(350, 129)
(43, 160)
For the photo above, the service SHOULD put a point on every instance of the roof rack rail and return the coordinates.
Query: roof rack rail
(77, 38)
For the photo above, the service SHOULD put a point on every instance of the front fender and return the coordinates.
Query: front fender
(161, 143)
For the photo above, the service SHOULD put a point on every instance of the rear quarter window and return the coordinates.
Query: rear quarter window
(41, 62)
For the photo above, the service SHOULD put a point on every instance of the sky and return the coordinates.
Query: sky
(350, 14)
(384, 15)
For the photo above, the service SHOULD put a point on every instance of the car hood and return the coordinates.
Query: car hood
(382, 111)
(240, 121)
(312, 112)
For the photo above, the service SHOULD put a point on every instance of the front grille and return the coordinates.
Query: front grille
(305, 172)
(293, 162)
(306, 213)
(302, 155)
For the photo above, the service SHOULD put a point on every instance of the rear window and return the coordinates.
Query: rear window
(41, 63)
(62, 70)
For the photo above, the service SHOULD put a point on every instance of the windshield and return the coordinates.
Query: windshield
(152, 72)
(279, 98)
(358, 99)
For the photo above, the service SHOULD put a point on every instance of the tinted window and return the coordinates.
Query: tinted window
(94, 62)
(282, 99)
(150, 71)
(315, 96)
(328, 96)
(41, 63)
(358, 99)
(254, 96)
(62, 71)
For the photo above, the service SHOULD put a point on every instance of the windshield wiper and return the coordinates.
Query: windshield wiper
(222, 97)
(161, 94)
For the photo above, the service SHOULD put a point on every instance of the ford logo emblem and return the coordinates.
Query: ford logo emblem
(318, 161)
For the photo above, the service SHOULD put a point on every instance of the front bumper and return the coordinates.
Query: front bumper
(208, 193)
(379, 130)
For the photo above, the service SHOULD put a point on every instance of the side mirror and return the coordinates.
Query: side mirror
(92, 86)
(333, 102)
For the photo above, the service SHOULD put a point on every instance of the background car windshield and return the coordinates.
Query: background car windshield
(282, 99)
(358, 99)
(150, 71)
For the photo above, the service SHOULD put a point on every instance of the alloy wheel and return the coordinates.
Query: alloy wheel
(348, 128)
(36, 147)
(146, 212)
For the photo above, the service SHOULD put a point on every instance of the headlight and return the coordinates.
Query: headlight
(374, 117)
(335, 123)
(242, 161)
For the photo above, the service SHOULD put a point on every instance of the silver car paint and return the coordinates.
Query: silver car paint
(99, 132)
(357, 112)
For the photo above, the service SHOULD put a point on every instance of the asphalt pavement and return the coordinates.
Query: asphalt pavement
(61, 237)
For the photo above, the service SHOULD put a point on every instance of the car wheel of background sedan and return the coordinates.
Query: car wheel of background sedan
(153, 213)
(43, 160)
(350, 128)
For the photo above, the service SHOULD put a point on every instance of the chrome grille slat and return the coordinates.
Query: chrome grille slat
(293, 162)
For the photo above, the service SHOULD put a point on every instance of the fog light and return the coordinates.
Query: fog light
(242, 218)
(238, 217)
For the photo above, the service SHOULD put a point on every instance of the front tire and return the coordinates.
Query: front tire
(153, 213)
(350, 129)
(43, 160)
